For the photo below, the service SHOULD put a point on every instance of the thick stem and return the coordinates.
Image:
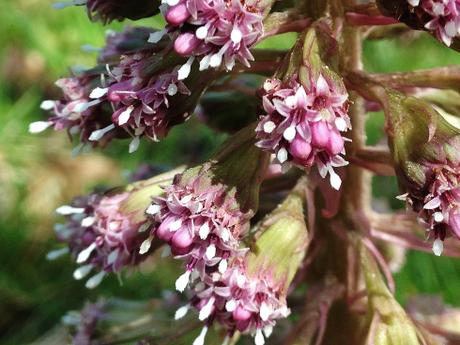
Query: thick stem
(356, 193)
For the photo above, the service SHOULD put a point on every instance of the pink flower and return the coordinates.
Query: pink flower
(239, 301)
(439, 209)
(102, 235)
(304, 126)
(202, 224)
(445, 17)
(218, 32)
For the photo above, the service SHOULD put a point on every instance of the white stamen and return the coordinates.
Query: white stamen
(438, 217)
(184, 70)
(87, 222)
(403, 197)
(204, 63)
(341, 124)
(54, 254)
(201, 32)
(47, 105)
(38, 126)
(268, 330)
(95, 280)
(114, 225)
(144, 227)
(282, 155)
(438, 247)
(259, 338)
(216, 60)
(230, 305)
(172, 89)
(66, 210)
(451, 29)
(98, 134)
(223, 266)
(181, 312)
(289, 133)
(240, 280)
(156, 36)
(236, 36)
(204, 231)
(335, 179)
(82, 271)
(125, 115)
(227, 340)
(172, 2)
(85, 253)
(145, 246)
(206, 310)
(269, 127)
(182, 281)
(265, 311)
(225, 235)
(153, 209)
(134, 145)
(200, 339)
(210, 252)
(175, 225)
(98, 92)
(113, 256)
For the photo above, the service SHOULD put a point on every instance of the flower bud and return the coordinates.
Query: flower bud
(306, 107)
(439, 17)
(185, 43)
(425, 150)
(104, 232)
(108, 10)
(178, 14)
(388, 324)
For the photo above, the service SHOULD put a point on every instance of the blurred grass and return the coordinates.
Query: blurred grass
(37, 46)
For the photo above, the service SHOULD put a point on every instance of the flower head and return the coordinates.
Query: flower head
(219, 32)
(78, 111)
(425, 151)
(104, 232)
(130, 99)
(444, 17)
(306, 106)
(304, 125)
(249, 295)
(439, 17)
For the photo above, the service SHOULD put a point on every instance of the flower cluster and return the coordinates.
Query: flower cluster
(101, 235)
(439, 207)
(202, 224)
(218, 31)
(238, 301)
(444, 17)
(304, 126)
(132, 99)
(78, 111)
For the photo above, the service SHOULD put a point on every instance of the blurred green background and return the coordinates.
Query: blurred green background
(38, 173)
